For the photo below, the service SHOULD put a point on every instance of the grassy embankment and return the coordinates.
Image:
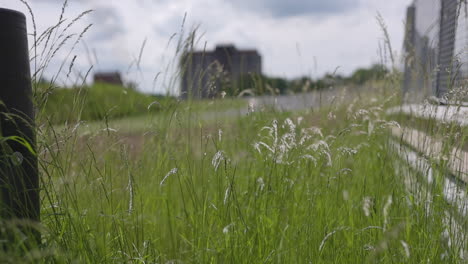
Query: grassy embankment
(110, 102)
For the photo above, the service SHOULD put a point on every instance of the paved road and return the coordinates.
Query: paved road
(310, 100)
(295, 102)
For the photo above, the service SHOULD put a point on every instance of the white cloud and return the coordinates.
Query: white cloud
(290, 42)
(281, 8)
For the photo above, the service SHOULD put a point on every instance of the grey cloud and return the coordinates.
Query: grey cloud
(59, 2)
(289, 8)
(170, 26)
(62, 1)
(107, 24)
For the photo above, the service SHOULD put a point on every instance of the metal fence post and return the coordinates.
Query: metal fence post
(19, 180)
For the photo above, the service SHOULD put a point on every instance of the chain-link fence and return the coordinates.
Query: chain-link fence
(435, 48)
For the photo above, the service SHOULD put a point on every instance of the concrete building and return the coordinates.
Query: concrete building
(108, 77)
(205, 74)
(435, 49)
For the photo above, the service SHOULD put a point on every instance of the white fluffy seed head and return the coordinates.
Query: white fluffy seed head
(261, 183)
(265, 145)
(250, 108)
(226, 195)
(347, 151)
(220, 134)
(405, 248)
(299, 120)
(367, 204)
(310, 157)
(370, 128)
(329, 159)
(319, 145)
(172, 171)
(226, 228)
(256, 146)
(345, 195)
(386, 210)
(361, 113)
(217, 158)
(290, 124)
(275, 132)
(316, 131)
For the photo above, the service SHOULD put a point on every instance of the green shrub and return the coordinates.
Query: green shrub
(96, 102)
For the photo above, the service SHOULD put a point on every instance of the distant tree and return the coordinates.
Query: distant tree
(362, 75)
(258, 85)
(261, 84)
(279, 85)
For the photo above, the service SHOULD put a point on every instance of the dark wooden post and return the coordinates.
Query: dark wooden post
(19, 181)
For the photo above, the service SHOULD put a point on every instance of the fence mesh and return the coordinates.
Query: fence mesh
(435, 48)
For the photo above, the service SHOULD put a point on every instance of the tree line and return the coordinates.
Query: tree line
(254, 84)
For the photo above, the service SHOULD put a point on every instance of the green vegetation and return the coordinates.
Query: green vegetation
(96, 102)
(182, 182)
(363, 75)
(106, 102)
(264, 85)
(174, 186)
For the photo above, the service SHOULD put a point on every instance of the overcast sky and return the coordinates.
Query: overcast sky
(295, 37)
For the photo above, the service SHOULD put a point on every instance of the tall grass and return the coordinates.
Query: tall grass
(267, 187)
(322, 186)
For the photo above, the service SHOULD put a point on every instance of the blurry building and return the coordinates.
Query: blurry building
(435, 49)
(206, 73)
(108, 77)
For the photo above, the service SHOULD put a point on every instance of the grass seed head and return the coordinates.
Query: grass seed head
(171, 172)
(367, 205)
(217, 158)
